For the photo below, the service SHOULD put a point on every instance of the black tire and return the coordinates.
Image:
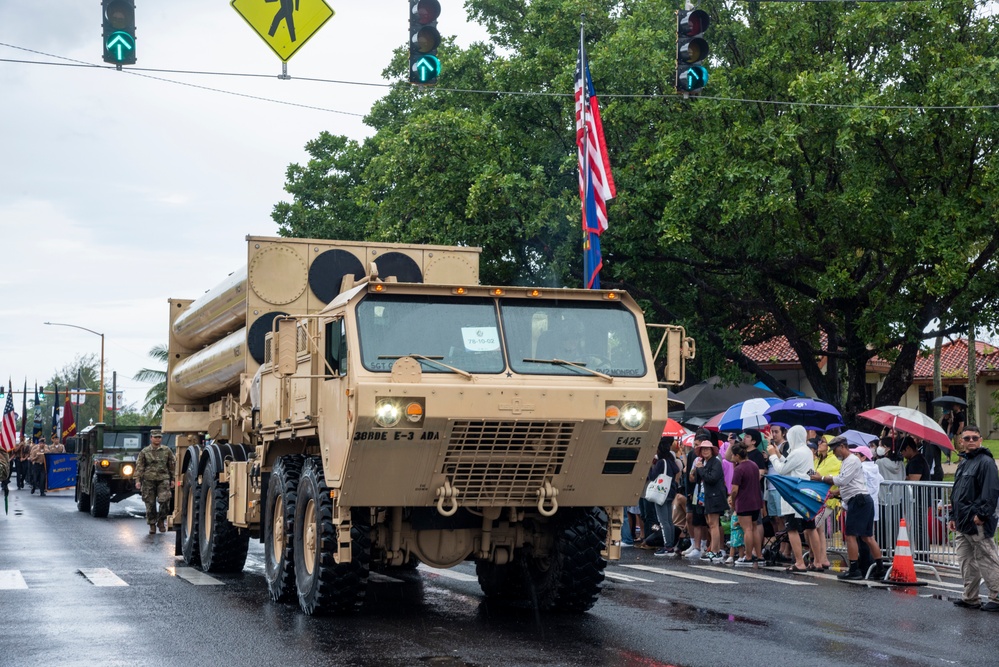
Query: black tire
(569, 578)
(323, 585)
(189, 510)
(279, 528)
(100, 497)
(82, 499)
(223, 547)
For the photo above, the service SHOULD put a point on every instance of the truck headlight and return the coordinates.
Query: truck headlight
(632, 417)
(127, 470)
(387, 414)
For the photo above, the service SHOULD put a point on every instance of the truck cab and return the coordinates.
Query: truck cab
(106, 465)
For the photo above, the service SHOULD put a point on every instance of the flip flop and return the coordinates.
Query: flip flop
(795, 570)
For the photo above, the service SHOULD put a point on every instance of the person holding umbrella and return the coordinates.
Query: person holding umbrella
(953, 422)
(852, 483)
(797, 463)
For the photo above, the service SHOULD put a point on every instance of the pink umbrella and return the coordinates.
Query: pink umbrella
(910, 421)
(712, 424)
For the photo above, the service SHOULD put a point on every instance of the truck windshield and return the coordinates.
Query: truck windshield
(601, 336)
(460, 333)
(131, 441)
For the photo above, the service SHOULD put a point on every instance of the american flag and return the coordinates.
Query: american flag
(8, 428)
(596, 184)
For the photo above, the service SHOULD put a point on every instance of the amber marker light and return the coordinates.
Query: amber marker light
(379, 288)
(105, 463)
(460, 290)
(612, 415)
(498, 292)
(414, 412)
(611, 296)
(534, 292)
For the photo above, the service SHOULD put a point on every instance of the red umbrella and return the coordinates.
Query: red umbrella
(673, 429)
(910, 421)
(712, 424)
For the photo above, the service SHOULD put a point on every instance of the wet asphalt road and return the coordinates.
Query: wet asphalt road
(678, 613)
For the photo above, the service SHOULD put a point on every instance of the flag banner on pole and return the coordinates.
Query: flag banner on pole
(68, 422)
(55, 412)
(36, 427)
(24, 408)
(8, 427)
(596, 183)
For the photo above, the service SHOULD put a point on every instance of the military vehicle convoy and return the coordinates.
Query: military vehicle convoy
(362, 405)
(106, 464)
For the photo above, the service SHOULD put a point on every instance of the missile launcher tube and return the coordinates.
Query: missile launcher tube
(213, 369)
(217, 313)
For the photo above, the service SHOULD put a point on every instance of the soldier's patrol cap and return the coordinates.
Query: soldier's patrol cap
(156, 434)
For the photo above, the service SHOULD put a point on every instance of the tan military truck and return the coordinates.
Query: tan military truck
(359, 405)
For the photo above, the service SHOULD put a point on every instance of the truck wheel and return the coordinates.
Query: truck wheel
(323, 585)
(82, 499)
(188, 530)
(223, 546)
(279, 523)
(569, 578)
(100, 497)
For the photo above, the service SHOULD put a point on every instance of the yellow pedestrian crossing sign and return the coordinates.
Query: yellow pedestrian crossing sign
(286, 25)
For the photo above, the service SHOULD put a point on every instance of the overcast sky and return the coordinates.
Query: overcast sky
(118, 192)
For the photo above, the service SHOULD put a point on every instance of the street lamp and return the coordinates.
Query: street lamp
(100, 400)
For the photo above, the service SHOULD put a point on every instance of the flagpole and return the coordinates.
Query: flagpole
(586, 149)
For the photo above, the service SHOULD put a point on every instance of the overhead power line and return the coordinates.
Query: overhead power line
(147, 73)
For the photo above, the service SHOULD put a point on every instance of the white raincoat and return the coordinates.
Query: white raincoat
(797, 463)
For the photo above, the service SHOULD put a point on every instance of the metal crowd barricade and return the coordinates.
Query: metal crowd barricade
(925, 506)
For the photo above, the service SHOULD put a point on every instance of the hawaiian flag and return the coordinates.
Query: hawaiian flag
(8, 427)
(68, 422)
(596, 184)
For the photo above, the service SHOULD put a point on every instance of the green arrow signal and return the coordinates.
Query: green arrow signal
(428, 67)
(119, 41)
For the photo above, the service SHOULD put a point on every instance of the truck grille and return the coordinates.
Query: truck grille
(505, 462)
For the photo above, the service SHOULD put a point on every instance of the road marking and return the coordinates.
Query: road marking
(625, 578)
(383, 578)
(11, 580)
(450, 574)
(102, 576)
(679, 575)
(753, 575)
(190, 575)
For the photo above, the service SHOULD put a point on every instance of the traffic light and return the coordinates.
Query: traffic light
(119, 31)
(424, 67)
(691, 50)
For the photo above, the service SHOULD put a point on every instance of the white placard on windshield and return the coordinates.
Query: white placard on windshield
(131, 441)
(480, 339)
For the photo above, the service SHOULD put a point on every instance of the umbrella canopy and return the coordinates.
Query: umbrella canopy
(748, 414)
(811, 413)
(858, 438)
(804, 495)
(910, 421)
(947, 401)
(708, 398)
(673, 429)
(712, 424)
(687, 440)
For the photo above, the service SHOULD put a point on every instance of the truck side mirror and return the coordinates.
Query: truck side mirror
(679, 348)
(287, 346)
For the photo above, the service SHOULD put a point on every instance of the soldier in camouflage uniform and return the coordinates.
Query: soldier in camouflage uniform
(154, 477)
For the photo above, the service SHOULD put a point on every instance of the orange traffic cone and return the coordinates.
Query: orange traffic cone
(903, 570)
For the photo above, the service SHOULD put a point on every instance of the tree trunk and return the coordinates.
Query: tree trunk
(937, 380)
(899, 378)
(972, 378)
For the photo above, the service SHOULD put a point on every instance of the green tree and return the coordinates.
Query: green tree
(157, 394)
(849, 207)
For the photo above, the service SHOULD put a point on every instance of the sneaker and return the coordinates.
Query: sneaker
(729, 561)
(689, 550)
(692, 555)
(707, 555)
(665, 551)
(850, 575)
(742, 562)
(969, 605)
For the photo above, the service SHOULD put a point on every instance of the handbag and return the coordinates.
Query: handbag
(654, 493)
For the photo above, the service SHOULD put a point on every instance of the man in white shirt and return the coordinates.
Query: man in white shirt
(852, 483)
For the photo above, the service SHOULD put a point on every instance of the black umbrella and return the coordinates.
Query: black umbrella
(708, 398)
(947, 401)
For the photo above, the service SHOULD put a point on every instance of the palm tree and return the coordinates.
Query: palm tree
(157, 394)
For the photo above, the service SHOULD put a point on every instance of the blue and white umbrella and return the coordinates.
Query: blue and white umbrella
(858, 438)
(748, 414)
(811, 413)
(804, 495)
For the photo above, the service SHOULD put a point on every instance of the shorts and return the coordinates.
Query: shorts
(859, 516)
(699, 519)
(797, 523)
(773, 503)
(753, 514)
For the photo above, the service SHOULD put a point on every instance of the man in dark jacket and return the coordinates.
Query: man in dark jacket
(973, 520)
